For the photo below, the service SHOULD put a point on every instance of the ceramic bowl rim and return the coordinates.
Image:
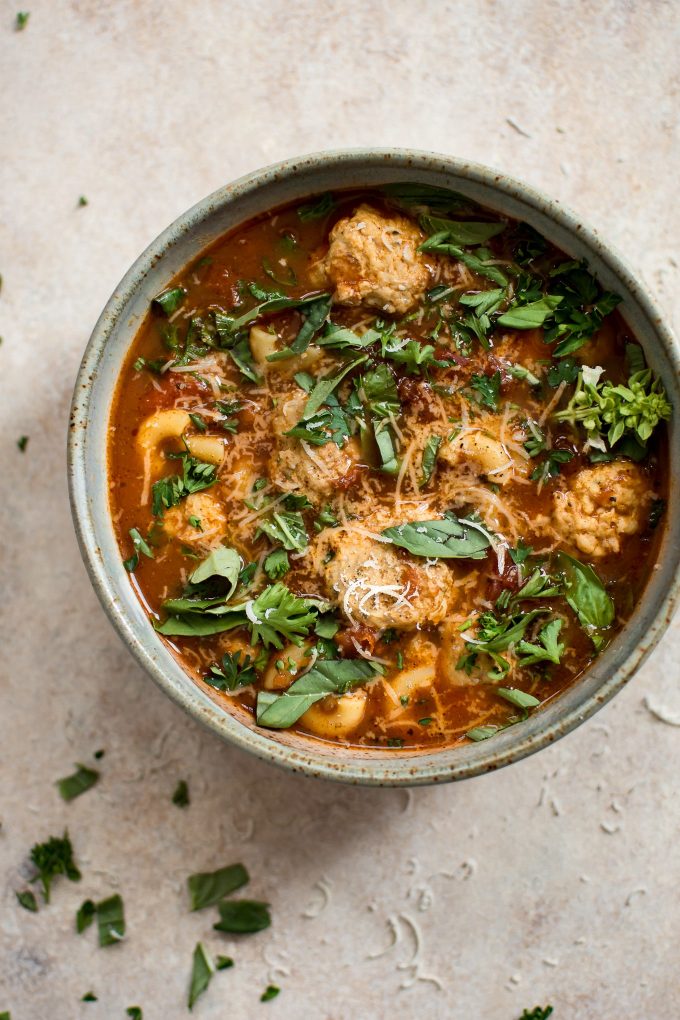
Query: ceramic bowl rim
(390, 770)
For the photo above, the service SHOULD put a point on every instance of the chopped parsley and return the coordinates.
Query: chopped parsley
(26, 899)
(270, 992)
(22, 443)
(54, 858)
(180, 797)
(21, 20)
(171, 490)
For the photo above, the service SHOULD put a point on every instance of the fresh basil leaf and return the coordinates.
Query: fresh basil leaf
(518, 698)
(243, 916)
(85, 915)
(140, 546)
(317, 209)
(379, 388)
(82, 780)
(448, 538)
(429, 458)
(222, 562)
(26, 899)
(325, 387)
(228, 327)
(384, 438)
(342, 337)
(270, 992)
(201, 974)
(89, 997)
(484, 302)
(327, 676)
(463, 232)
(532, 315)
(482, 732)
(209, 887)
(440, 199)
(199, 625)
(170, 300)
(485, 267)
(223, 962)
(110, 920)
(134, 1012)
(586, 594)
(316, 315)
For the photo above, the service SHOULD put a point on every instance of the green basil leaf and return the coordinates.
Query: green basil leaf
(72, 786)
(518, 698)
(270, 992)
(201, 974)
(586, 594)
(243, 916)
(287, 529)
(316, 315)
(532, 315)
(170, 300)
(222, 562)
(198, 625)
(327, 676)
(325, 387)
(26, 899)
(341, 337)
(316, 209)
(448, 538)
(464, 232)
(85, 916)
(209, 887)
(440, 199)
(110, 920)
(134, 1012)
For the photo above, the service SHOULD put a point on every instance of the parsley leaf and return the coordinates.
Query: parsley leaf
(276, 565)
(286, 529)
(52, 858)
(171, 490)
(487, 389)
(236, 671)
(201, 974)
(110, 920)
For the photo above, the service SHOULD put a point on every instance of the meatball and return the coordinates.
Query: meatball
(208, 515)
(377, 585)
(602, 503)
(317, 470)
(374, 260)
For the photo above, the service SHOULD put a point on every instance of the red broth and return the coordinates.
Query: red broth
(445, 418)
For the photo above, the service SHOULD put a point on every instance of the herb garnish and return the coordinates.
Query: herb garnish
(209, 887)
(276, 565)
(180, 797)
(140, 546)
(243, 916)
(21, 20)
(232, 673)
(270, 992)
(171, 490)
(53, 858)
(85, 915)
(79, 782)
(448, 538)
(429, 458)
(134, 1012)
(110, 920)
(26, 899)
(317, 209)
(170, 300)
(326, 676)
(22, 443)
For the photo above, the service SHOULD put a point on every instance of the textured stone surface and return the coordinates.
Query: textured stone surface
(555, 880)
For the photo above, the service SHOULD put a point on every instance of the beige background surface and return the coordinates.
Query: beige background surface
(554, 881)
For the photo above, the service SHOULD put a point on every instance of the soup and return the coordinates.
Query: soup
(387, 469)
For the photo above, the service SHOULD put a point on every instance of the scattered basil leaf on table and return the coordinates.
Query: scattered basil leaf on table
(82, 780)
(110, 920)
(243, 916)
(201, 974)
(208, 888)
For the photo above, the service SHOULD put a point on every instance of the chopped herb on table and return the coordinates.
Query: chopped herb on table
(202, 971)
(243, 916)
(22, 443)
(180, 797)
(209, 887)
(82, 780)
(110, 920)
(27, 900)
(270, 992)
(54, 858)
(22, 20)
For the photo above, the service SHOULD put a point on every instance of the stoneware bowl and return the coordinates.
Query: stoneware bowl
(229, 207)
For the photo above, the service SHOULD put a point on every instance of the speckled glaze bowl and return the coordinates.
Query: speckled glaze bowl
(228, 208)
